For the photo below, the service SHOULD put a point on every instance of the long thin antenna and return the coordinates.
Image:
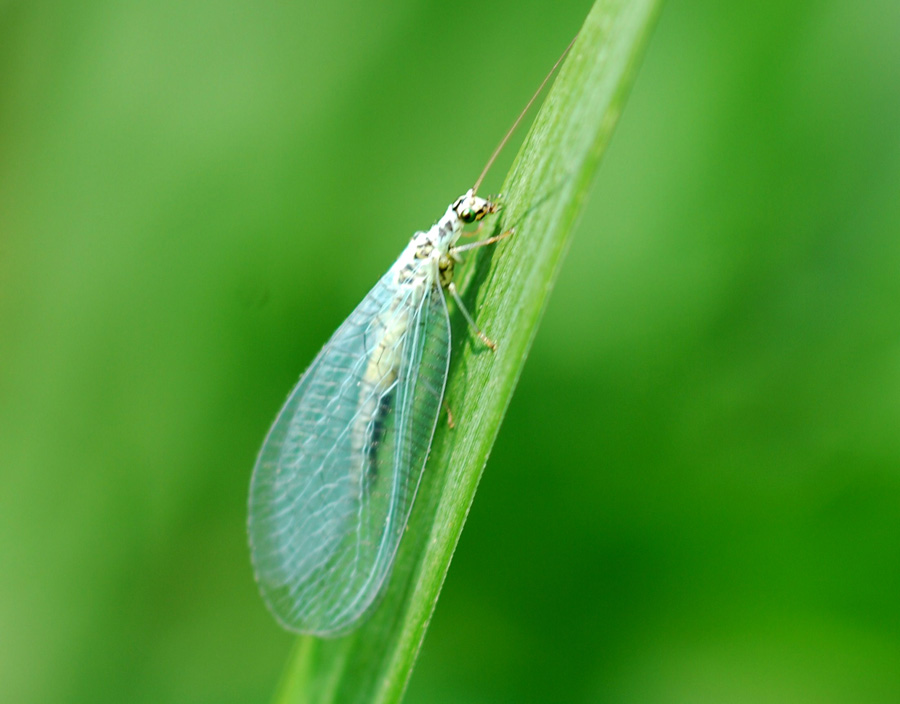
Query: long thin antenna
(490, 162)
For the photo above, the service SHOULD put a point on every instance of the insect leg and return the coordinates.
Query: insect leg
(451, 287)
(484, 243)
(474, 232)
(450, 423)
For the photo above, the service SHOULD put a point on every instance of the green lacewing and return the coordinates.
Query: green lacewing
(335, 480)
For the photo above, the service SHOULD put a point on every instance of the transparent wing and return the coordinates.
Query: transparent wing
(335, 480)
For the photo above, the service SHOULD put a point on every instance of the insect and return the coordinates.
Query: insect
(335, 480)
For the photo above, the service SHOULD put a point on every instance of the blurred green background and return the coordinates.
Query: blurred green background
(696, 494)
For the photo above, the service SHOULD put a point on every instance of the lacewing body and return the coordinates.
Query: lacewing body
(335, 480)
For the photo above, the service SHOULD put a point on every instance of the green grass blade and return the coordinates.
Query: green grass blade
(508, 287)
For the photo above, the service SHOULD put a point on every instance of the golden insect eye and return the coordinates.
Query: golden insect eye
(468, 215)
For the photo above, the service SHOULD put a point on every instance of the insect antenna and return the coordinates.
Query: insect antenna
(490, 162)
